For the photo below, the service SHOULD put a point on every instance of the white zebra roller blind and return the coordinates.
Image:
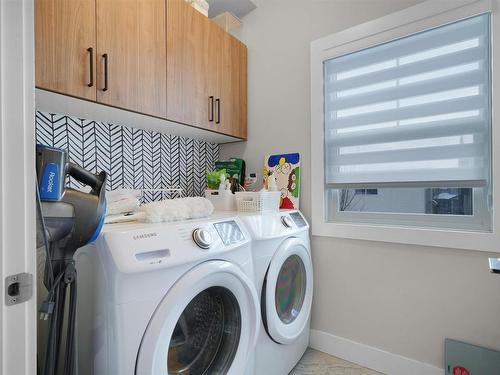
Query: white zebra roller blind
(412, 112)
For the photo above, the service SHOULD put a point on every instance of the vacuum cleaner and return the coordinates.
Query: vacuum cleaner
(68, 220)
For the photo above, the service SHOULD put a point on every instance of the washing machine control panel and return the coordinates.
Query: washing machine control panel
(230, 232)
(139, 247)
(203, 238)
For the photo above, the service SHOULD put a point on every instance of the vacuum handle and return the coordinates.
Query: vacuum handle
(86, 177)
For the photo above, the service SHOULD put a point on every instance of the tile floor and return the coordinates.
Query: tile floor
(318, 363)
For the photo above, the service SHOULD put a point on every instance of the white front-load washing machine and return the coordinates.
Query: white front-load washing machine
(167, 299)
(284, 281)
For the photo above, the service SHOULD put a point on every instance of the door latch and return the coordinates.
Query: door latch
(18, 288)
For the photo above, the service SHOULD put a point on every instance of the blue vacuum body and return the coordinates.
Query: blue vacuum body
(72, 217)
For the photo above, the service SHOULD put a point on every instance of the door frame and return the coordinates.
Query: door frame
(17, 182)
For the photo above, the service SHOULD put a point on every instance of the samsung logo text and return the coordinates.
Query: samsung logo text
(144, 236)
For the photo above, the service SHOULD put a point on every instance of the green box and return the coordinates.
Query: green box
(233, 167)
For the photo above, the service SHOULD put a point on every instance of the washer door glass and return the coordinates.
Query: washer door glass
(207, 334)
(290, 289)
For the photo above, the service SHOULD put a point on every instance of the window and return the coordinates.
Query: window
(404, 105)
(407, 130)
(366, 191)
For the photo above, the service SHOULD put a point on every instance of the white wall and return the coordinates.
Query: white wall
(403, 299)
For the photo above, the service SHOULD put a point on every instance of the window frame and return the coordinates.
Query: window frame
(418, 220)
(421, 17)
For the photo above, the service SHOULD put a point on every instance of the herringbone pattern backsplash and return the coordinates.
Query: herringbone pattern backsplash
(133, 158)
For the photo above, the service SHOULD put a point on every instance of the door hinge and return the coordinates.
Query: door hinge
(18, 288)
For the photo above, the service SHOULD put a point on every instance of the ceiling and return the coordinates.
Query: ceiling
(238, 7)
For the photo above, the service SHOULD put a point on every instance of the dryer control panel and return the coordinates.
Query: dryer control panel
(275, 224)
(298, 219)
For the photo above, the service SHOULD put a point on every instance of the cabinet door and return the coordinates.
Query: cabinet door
(234, 88)
(191, 65)
(131, 55)
(65, 45)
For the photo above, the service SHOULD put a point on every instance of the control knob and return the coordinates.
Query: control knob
(286, 221)
(202, 238)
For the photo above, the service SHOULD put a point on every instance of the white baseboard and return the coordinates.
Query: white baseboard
(368, 356)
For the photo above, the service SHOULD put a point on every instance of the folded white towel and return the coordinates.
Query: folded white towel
(123, 206)
(120, 194)
(175, 210)
(120, 218)
(122, 201)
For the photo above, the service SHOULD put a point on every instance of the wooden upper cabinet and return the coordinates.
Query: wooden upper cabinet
(131, 55)
(190, 64)
(234, 87)
(158, 57)
(64, 33)
(206, 73)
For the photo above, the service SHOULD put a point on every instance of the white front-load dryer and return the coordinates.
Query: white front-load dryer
(157, 299)
(284, 281)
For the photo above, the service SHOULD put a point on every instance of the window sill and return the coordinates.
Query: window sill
(447, 238)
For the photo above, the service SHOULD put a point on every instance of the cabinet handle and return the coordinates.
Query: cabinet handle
(90, 50)
(105, 58)
(210, 108)
(217, 101)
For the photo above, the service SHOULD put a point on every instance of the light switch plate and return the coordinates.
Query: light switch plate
(494, 265)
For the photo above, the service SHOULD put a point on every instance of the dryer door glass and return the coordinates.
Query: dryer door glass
(290, 289)
(207, 334)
